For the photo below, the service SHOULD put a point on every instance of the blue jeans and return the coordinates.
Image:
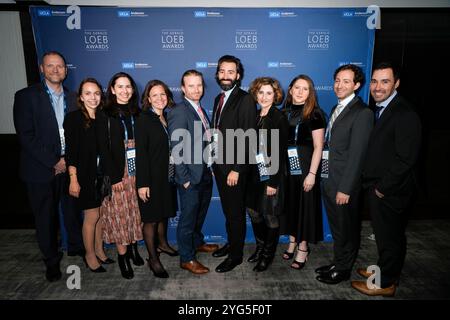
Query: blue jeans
(194, 202)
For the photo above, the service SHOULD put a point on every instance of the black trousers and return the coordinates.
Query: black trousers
(389, 223)
(345, 228)
(45, 200)
(233, 206)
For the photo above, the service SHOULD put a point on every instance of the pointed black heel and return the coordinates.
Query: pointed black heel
(100, 269)
(159, 274)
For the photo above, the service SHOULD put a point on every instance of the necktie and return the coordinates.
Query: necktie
(335, 114)
(378, 110)
(204, 121)
(219, 110)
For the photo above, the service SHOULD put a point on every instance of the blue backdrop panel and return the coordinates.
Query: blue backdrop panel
(161, 43)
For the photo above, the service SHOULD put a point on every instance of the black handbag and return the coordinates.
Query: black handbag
(103, 186)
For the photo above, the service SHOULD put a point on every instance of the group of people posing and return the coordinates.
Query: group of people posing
(68, 156)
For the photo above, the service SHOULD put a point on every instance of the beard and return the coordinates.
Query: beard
(227, 86)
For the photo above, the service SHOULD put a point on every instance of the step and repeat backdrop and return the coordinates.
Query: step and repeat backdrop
(162, 43)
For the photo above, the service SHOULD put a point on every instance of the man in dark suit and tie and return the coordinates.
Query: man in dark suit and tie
(347, 136)
(233, 109)
(38, 118)
(189, 127)
(388, 177)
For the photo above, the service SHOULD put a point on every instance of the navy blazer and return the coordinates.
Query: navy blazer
(183, 116)
(37, 129)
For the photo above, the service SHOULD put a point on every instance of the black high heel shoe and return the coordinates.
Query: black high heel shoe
(289, 255)
(107, 261)
(298, 265)
(173, 253)
(159, 274)
(100, 269)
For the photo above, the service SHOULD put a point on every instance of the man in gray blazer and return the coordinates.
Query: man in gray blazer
(348, 132)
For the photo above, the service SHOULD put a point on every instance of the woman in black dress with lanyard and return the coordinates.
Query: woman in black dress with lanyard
(303, 207)
(81, 157)
(268, 194)
(155, 189)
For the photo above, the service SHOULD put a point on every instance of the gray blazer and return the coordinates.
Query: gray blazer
(348, 144)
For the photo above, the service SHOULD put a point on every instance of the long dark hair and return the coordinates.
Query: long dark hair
(311, 101)
(111, 100)
(87, 119)
(153, 83)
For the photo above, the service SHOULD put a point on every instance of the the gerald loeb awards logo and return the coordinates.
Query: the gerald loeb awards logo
(96, 40)
(318, 39)
(246, 39)
(172, 39)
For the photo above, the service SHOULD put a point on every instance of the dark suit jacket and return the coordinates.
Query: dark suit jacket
(348, 144)
(393, 149)
(37, 130)
(239, 112)
(183, 116)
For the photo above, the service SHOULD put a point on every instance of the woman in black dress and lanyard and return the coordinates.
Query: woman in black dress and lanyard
(267, 202)
(303, 207)
(81, 157)
(120, 213)
(155, 190)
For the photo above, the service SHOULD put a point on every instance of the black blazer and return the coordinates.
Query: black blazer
(347, 146)
(239, 112)
(275, 120)
(393, 150)
(37, 130)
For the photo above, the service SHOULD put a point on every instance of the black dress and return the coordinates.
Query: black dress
(303, 218)
(81, 152)
(152, 168)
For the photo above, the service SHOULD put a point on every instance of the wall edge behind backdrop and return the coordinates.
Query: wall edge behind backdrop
(161, 43)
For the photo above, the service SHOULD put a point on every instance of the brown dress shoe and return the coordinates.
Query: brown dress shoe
(363, 272)
(361, 286)
(208, 247)
(194, 266)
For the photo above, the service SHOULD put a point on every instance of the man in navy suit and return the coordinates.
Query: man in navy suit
(388, 177)
(38, 118)
(189, 131)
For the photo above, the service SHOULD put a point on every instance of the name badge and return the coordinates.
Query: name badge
(262, 167)
(294, 161)
(131, 161)
(63, 141)
(325, 170)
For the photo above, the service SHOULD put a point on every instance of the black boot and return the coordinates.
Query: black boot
(133, 252)
(270, 246)
(259, 230)
(125, 266)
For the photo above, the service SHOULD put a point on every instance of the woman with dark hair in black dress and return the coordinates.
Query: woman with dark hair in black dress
(82, 161)
(155, 190)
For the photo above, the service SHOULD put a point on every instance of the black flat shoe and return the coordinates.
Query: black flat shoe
(334, 277)
(325, 269)
(173, 253)
(107, 261)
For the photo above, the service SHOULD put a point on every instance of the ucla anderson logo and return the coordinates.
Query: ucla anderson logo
(44, 13)
(201, 65)
(199, 14)
(124, 13)
(274, 14)
(127, 65)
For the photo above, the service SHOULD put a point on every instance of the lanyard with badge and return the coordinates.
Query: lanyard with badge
(324, 171)
(262, 160)
(293, 156)
(171, 161)
(130, 152)
(61, 130)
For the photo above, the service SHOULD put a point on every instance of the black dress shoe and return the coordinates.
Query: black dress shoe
(334, 277)
(107, 261)
(222, 252)
(227, 265)
(325, 269)
(53, 273)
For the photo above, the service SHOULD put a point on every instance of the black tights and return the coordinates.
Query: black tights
(150, 230)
